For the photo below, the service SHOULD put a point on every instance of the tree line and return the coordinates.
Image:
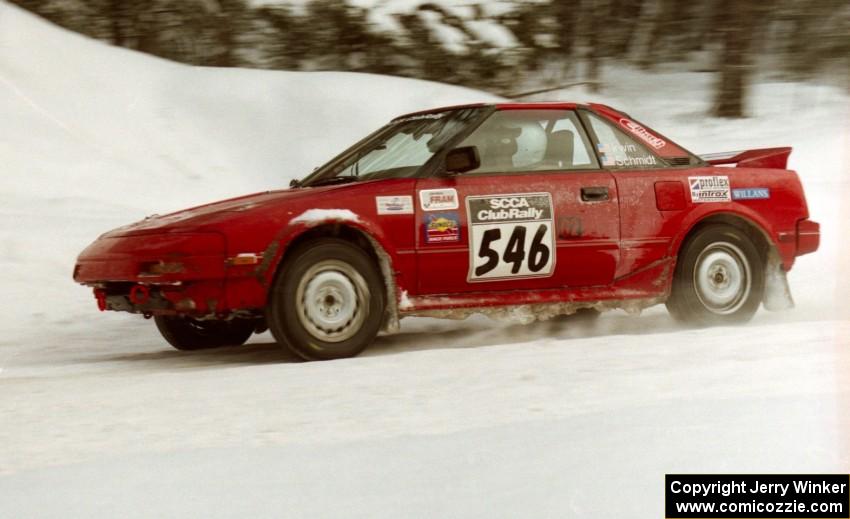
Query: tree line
(502, 50)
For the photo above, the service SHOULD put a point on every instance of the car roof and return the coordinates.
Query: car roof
(549, 105)
(669, 149)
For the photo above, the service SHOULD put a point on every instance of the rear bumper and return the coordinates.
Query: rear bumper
(808, 236)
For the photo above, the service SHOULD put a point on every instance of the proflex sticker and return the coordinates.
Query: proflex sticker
(438, 199)
(442, 227)
(751, 193)
(709, 189)
(394, 204)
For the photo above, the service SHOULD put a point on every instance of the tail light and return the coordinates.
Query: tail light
(808, 236)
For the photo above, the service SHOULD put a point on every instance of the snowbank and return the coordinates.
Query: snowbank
(94, 137)
(467, 419)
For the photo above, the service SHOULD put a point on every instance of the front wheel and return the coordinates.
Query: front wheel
(327, 302)
(719, 278)
(188, 334)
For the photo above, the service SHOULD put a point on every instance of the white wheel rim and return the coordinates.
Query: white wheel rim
(332, 301)
(722, 278)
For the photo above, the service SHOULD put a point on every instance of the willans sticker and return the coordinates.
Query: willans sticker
(709, 189)
(751, 193)
(438, 199)
(394, 204)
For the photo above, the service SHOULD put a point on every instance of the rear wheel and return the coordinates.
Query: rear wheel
(186, 333)
(719, 278)
(327, 302)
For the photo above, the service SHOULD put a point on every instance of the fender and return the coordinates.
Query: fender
(698, 216)
(777, 295)
(385, 251)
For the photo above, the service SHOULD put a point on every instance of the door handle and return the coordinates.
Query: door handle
(594, 194)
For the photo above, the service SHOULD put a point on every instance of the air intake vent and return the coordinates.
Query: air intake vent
(679, 161)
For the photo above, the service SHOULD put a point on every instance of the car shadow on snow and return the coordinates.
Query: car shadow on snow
(253, 353)
(479, 331)
(416, 334)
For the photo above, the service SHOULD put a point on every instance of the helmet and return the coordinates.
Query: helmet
(530, 143)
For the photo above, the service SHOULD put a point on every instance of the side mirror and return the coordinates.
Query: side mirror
(463, 159)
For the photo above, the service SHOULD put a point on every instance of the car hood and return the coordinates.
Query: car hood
(203, 217)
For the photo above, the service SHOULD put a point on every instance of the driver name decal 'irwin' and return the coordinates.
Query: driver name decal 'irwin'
(709, 189)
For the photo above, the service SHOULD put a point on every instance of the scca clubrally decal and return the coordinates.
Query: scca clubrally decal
(510, 236)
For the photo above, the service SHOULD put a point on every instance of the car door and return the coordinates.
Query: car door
(648, 223)
(538, 213)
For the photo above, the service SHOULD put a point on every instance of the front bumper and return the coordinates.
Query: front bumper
(198, 299)
(132, 258)
(156, 273)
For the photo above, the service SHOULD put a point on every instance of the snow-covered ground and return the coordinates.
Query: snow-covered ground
(445, 419)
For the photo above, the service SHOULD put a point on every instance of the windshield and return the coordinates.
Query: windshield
(399, 150)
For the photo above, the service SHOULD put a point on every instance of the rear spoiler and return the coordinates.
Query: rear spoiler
(774, 158)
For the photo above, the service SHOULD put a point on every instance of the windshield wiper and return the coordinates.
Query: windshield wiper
(332, 180)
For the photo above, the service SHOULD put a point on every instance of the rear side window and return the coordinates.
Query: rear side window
(517, 141)
(619, 151)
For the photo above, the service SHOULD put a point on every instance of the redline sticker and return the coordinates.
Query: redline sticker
(642, 133)
(442, 227)
(438, 199)
(402, 204)
(710, 189)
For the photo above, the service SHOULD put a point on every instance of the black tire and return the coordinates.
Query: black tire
(719, 278)
(187, 334)
(327, 301)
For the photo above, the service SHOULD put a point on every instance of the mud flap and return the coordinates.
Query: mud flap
(777, 293)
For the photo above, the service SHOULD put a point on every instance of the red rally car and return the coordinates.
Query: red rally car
(527, 209)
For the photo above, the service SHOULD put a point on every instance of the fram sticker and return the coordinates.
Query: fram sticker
(751, 193)
(394, 204)
(442, 227)
(438, 199)
(709, 189)
(643, 133)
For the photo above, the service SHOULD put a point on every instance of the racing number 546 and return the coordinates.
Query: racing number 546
(514, 252)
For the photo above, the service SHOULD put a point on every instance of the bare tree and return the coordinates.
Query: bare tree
(737, 40)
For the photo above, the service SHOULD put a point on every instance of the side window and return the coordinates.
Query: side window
(567, 127)
(618, 150)
(531, 140)
(399, 151)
